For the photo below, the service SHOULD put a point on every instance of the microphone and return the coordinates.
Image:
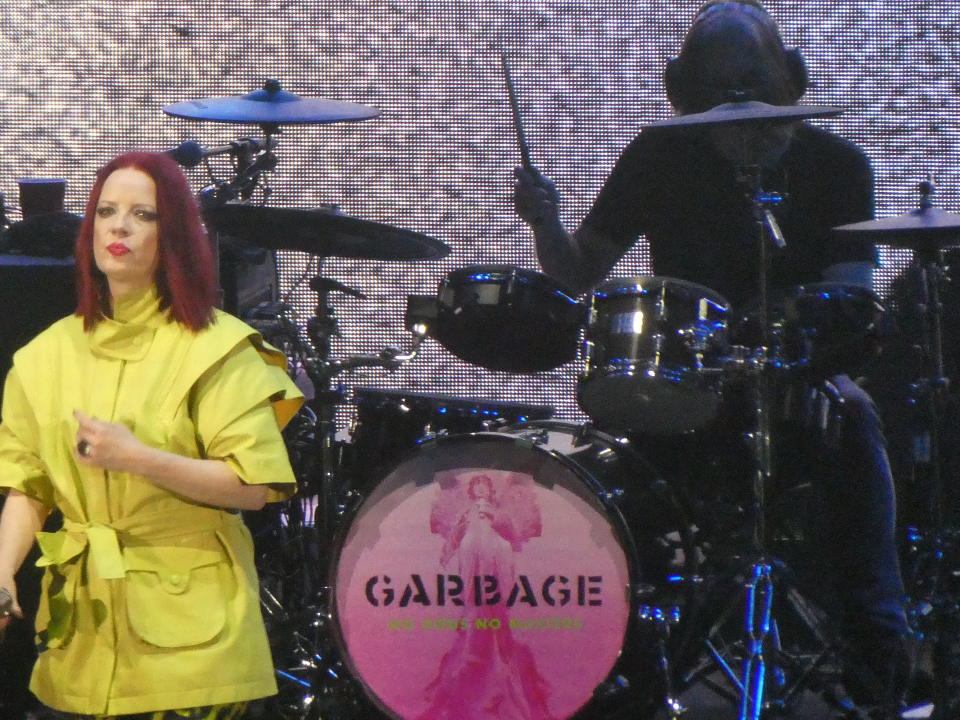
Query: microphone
(190, 154)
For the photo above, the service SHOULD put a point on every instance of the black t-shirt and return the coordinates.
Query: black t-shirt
(676, 189)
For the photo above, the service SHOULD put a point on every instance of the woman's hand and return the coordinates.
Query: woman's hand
(9, 607)
(107, 445)
(114, 447)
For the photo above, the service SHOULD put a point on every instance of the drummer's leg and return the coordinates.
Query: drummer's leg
(860, 501)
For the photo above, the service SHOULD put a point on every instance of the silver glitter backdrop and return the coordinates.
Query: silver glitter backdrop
(84, 80)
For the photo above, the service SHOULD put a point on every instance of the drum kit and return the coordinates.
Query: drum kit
(457, 555)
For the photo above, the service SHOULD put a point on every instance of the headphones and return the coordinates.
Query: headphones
(676, 74)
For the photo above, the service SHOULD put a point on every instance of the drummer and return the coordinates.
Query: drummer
(679, 188)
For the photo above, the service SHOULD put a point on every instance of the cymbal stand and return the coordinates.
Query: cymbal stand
(759, 587)
(929, 389)
(321, 329)
(314, 683)
(759, 577)
(935, 592)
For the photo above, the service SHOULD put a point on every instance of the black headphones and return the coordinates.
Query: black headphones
(676, 75)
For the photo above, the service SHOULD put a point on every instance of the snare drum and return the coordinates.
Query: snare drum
(652, 355)
(508, 318)
(491, 571)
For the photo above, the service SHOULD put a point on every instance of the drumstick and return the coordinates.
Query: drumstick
(515, 111)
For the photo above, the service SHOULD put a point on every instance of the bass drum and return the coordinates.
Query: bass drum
(493, 575)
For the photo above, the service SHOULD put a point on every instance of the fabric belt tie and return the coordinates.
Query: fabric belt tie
(103, 541)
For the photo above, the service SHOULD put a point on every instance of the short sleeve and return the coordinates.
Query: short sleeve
(617, 212)
(20, 465)
(640, 195)
(235, 410)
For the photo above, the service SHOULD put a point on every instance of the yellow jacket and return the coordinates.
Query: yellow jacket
(150, 601)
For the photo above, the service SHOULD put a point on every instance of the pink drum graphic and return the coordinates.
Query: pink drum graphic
(482, 578)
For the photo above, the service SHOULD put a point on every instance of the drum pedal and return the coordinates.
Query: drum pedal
(661, 619)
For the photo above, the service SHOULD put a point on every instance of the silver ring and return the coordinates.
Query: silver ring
(83, 448)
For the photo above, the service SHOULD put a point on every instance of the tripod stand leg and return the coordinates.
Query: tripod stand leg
(757, 621)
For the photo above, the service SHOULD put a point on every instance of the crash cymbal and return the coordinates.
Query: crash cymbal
(746, 112)
(271, 106)
(321, 232)
(922, 228)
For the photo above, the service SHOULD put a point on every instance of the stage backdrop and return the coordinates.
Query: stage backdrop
(83, 80)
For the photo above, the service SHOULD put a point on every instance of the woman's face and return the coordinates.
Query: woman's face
(125, 233)
(480, 488)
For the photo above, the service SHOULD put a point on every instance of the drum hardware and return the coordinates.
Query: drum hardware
(662, 620)
(935, 549)
(928, 231)
(757, 672)
(297, 536)
(314, 681)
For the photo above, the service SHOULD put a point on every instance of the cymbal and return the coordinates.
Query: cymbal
(921, 228)
(321, 232)
(270, 105)
(747, 112)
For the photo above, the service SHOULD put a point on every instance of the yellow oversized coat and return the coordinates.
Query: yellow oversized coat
(150, 600)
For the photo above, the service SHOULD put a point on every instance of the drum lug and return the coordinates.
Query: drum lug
(659, 617)
(539, 437)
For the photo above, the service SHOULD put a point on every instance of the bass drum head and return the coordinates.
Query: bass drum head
(484, 576)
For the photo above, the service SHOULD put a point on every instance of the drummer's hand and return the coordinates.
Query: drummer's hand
(14, 611)
(107, 445)
(535, 197)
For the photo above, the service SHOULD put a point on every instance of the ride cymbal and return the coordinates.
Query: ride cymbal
(271, 106)
(321, 232)
(917, 229)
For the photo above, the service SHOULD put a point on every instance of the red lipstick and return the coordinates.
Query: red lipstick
(117, 249)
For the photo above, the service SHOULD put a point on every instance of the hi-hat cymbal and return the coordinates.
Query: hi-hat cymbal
(923, 228)
(321, 232)
(271, 106)
(747, 112)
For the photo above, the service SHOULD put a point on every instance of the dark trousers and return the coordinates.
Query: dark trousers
(831, 479)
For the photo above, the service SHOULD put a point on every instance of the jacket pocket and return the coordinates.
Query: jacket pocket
(176, 595)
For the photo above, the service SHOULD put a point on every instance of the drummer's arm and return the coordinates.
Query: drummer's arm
(578, 260)
(850, 273)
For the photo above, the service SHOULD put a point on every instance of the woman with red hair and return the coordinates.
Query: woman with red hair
(148, 419)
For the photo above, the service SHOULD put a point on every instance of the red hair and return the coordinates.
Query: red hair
(186, 277)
